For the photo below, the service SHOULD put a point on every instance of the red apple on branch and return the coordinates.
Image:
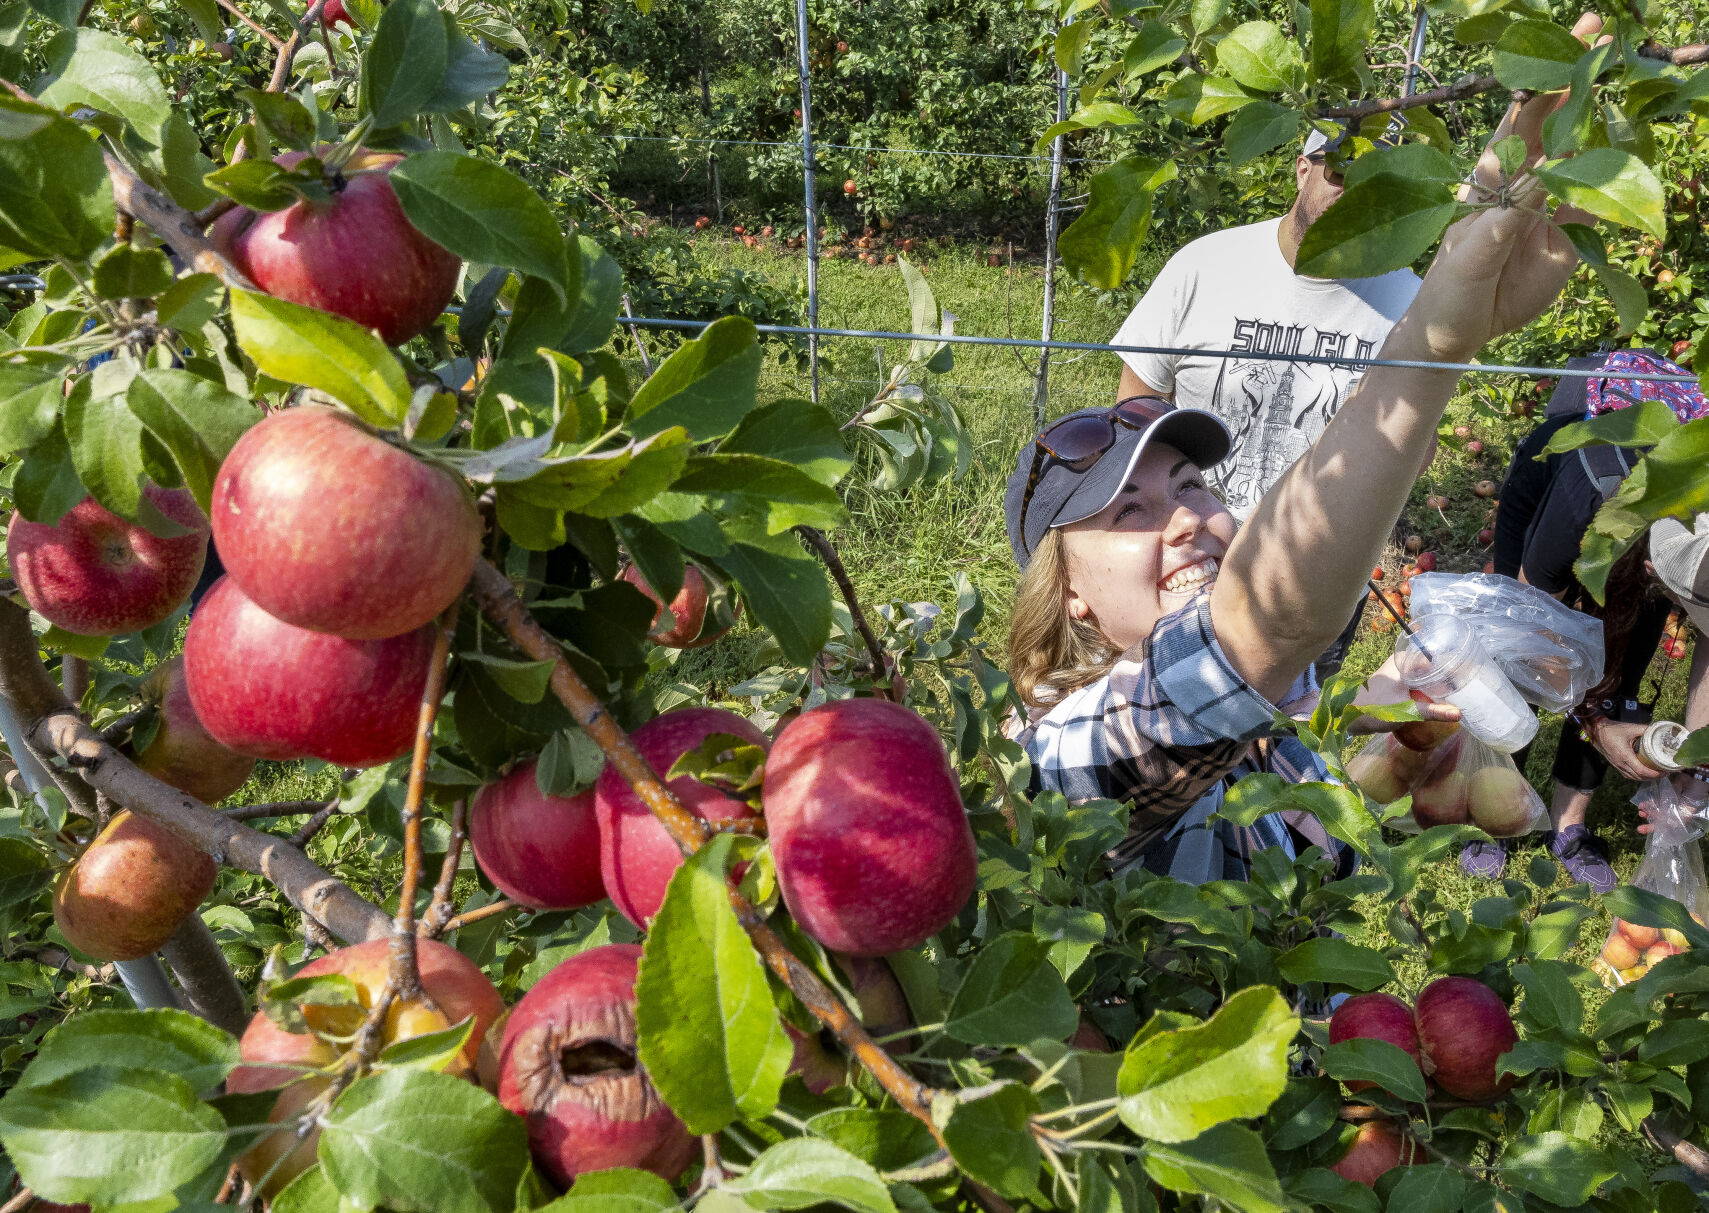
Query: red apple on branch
(883, 1010)
(567, 1066)
(263, 687)
(328, 527)
(333, 12)
(541, 851)
(1374, 1017)
(872, 846)
(637, 855)
(182, 753)
(129, 891)
(454, 986)
(1377, 1147)
(355, 255)
(1464, 1028)
(95, 574)
(687, 629)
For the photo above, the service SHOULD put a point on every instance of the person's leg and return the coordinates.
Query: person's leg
(1578, 773)
(1568, 808)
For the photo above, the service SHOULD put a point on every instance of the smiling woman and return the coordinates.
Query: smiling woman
(1154, 641)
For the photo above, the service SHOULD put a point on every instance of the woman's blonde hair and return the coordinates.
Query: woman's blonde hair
(1050, 653)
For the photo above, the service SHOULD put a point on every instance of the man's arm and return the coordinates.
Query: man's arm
(1133, 385)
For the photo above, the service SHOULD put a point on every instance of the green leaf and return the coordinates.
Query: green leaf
(1071, 44)
(781, 493)
(1364, 1059)
(710, 1035)
(418, 1142)
(260, 185)
(1339, 29)
(1177, 1083)
(1261, 57)
(470, 72)
(886, 1137)
(314, 348)
(1677, 1042)
(126, 272)
(706, 386)
(405, 62)
(803, 1171)
(163, 1040)
(94, 68)
(47, 485)
(1226, 1161)
(310, 1192)
(990, 1138)
(1336, 962)
(1103, 243)
(482, 212)
(788, 594)
(1155, 45)
(105, 439)
(1261, 127)
(618, 1190)
(523, 681)
(1551, 999)
(55, 197)
(1195, 99)
(431, 1052)
(1011, 995)
(1417, 161)
(1631, 301)
(1537, 55)
(794, 431)
(1647, 909)
(1556, 1167)
(1428, 1189)
(24, 872)
(1383, 223)
(285, 119)
(195, 419)
(1611, 184)
(30, 399)
(1323, 1191)
(107, 1136)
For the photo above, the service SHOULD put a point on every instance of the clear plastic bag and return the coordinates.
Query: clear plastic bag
(1466, 782)
(1672, 866)
(1552, 653)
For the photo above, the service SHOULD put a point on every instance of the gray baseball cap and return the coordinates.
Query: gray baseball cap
(1681, 557)
(1064, 494)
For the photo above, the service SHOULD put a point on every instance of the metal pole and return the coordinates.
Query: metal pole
(1414, 57)
(812, 205)
(144, 979)
(1041, 389)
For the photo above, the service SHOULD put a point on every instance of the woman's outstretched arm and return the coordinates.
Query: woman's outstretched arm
(1298, 566)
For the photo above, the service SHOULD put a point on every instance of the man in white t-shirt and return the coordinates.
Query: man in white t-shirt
(1236, 290)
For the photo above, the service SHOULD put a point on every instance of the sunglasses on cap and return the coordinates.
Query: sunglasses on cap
(1080, 441)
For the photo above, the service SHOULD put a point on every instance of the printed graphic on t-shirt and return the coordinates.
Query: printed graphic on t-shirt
(1276, 409)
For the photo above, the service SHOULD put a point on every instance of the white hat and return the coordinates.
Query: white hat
(1681, 558)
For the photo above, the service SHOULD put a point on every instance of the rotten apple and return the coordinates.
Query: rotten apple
(95, 574)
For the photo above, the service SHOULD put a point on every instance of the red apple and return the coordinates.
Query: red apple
(871, 843)
(182, 753)
(1658, 952)
(128, 892)
(1486, 537)
(1378, 573)
(225, 50)
(276, 1058)
(637, 855)
(842, 48)
(1377, 1146)
(1489, 566)
(1462, 431)
(1427, 562)
(541, 851)
(688, 610)
(95, 574)
(1385, 769)
(1374, 1017)
(883, 1010)
(1464, 1027)
(1641, 937)
(327, 527)
(354, 255)
(850, 188)
(567, 1066)
(1500, 800)
(333, 11)
(266, 688)
(1474, 447)
(1424, 734)
(1484, 488)
(1619, 951)
(1440, 799)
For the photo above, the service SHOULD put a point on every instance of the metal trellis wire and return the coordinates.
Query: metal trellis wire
(847, 147)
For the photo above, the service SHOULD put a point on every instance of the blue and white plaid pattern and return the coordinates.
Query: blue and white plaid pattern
(1168, 729)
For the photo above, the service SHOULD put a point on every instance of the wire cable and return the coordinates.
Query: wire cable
(848, 147)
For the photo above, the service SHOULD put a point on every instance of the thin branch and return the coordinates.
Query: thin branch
(499, 602)
(204, 977)
(21, 1201)
(171, 222)
(839, 574)
(74, 677)
(274, 808)
(214, 210)
(1690, 1156)
(486, 911)
(440, 911)
(1679, 56)
(251, 23)
(115, 730)
(314, 825)
(405, 976)
(1471, 86)
(52, 726)
(60, 961)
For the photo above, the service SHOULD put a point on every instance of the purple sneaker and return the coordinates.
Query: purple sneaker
(1483, 860)
(1582, 853)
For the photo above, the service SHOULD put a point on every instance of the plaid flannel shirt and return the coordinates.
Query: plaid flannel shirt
(1168, 729)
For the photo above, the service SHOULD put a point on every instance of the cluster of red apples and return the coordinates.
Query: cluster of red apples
(1432, 761)
(1630, 950)
(1456, 1033)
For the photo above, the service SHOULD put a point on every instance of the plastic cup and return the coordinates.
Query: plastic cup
(1659, 743)
(1444, 659)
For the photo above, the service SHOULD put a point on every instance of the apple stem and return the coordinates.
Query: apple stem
(51, 726)
(22, 1200)
(498, 600)
(405, 975)
(839, 574)
(440, 911)
(463, 920)
(244, 17)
